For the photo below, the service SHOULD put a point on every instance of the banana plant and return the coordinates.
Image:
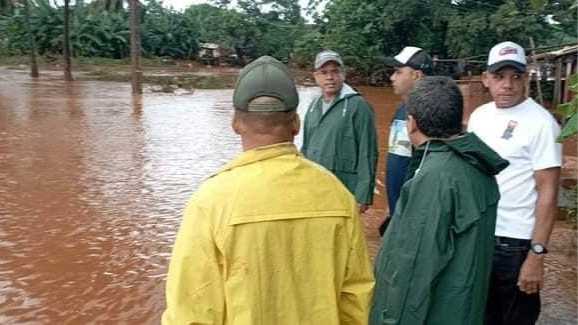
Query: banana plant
(568, 110)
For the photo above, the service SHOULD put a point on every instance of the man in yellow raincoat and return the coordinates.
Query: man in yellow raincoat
(272, 238)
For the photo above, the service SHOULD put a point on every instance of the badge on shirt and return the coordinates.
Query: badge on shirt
(509, 129)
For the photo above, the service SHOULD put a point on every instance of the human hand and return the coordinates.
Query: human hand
(362, 207)
(531, 275)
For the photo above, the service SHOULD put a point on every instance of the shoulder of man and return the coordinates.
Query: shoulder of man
(360, 102)
(539, 109)
(315, 101)
(483, 108)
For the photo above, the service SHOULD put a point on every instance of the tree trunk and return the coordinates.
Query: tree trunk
(67, 71)
(31, 41)
(135, 47)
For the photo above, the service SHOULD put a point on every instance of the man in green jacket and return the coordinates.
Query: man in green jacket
(434, 262)
(339, 130)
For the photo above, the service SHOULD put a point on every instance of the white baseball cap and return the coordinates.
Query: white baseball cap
(414, 57)
(507, 54)
(326, 56)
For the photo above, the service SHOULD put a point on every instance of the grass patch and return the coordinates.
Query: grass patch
(20, 60)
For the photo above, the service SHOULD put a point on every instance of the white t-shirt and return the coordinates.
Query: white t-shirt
(525, 135)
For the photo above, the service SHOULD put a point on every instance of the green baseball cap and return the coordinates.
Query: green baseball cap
(265, 77)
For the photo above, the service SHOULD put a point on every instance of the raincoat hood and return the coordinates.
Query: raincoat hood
(347, 91)
(470, 148)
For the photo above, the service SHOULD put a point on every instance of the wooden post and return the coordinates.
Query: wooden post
(135, 47)
(66, 45)
(568, 74)
(538, 86)
(31, 41)
(557, 83)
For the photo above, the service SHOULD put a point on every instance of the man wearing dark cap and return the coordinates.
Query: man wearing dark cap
(410, 66)
(272, 238)
(524, 133)
(433, 265)
(339, 131)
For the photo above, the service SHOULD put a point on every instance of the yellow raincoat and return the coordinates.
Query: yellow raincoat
(272, 239)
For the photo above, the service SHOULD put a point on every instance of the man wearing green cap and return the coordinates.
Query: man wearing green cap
(272, 238)
(339, 131)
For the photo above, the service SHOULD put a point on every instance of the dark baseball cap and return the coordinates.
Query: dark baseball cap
(265, 77)
(413, 57)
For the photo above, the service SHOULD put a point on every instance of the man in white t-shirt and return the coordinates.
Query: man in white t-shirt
(524, 133)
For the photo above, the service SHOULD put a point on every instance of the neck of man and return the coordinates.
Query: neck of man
(421, 138)
(254, 141)
(328, 98)
(510, 106)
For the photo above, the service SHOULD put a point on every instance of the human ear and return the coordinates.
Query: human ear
(485, 79)
(296, 124)
(235, 123)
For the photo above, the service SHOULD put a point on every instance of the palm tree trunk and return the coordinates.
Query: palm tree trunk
(67, 71)
(31, 41)
(135, 47)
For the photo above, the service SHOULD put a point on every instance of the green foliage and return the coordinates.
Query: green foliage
(365, 30)
(6, 7)
(103, 35)
(306, 47)
(568, 110)
(226, 27)
(255, 28)
(362, 31)
(467, 34)
(353, 34)
(100, 29)
(166, 32)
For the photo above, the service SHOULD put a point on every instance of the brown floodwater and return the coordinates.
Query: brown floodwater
(93, 182)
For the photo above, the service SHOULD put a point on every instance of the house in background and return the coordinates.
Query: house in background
(557, 66)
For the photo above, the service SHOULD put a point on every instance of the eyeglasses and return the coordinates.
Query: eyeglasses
(325, 73)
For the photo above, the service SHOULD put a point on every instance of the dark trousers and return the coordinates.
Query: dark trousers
(507, 305)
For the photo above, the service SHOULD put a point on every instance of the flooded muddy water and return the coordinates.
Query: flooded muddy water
(93, 182)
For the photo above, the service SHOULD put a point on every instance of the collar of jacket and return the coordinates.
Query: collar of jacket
(261, 153)
(469, 147)
(346, 91)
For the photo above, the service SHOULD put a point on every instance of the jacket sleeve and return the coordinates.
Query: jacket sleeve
(435, 248)
(357, 290)
(416, 248)
(364, 123)
(194, 290)
(305, 144)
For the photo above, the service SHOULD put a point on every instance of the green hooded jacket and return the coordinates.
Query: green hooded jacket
(344, 141)
(434, 263)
